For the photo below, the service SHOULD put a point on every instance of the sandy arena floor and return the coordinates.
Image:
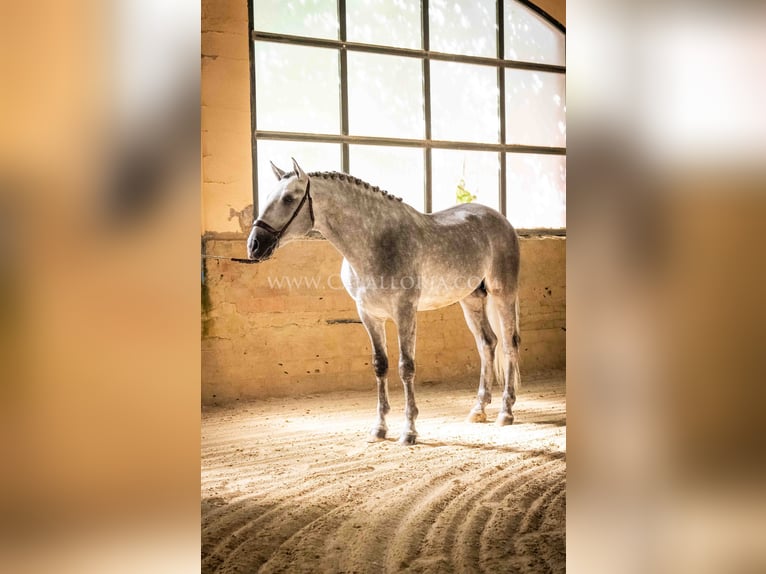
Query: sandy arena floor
(290, 485)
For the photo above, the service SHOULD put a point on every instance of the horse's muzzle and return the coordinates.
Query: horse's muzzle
(261, 244)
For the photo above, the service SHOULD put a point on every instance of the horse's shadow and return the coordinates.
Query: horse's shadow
(558, 421)
(551, 455)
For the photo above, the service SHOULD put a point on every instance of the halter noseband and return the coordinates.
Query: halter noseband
(279, 232)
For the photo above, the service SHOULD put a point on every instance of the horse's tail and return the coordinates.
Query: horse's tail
(516, 342)
(494, 320)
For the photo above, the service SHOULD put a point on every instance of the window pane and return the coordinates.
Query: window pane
(536, 187)
(477, 171)
(317, 18)
(464, 102)
(530, 38)
(297, 88)
(311, 157)
(384, 22)
(398, 170)
(535, 108)
(385, 96)
(463, 27)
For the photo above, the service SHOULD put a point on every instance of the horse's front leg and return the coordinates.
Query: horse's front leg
(376, 329)
(406, 322)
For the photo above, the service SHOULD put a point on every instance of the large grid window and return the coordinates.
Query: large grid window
(437, 101)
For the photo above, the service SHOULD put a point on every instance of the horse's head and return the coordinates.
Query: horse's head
(287, 214)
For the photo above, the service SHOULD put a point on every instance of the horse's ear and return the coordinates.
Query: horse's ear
(278, 172)
(298, 171)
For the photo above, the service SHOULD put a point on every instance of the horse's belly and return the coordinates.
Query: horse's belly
(440, 291)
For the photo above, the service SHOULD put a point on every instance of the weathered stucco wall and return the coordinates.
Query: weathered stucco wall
(226, 149)
(261, 339)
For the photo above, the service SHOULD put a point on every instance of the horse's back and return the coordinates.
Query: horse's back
(463, 212)
(478, 221)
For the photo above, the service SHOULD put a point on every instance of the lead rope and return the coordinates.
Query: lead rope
(234, 259)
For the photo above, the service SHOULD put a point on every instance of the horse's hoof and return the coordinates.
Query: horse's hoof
(377, 435)
(408, 439)
(476, 417)
(504, 419)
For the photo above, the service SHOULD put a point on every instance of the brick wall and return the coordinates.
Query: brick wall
(261, 340)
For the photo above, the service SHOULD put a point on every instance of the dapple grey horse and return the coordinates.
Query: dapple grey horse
(398, 261)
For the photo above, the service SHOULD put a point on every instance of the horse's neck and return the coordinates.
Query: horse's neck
(351, 219)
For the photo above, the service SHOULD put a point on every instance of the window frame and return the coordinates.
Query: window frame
(426, 55)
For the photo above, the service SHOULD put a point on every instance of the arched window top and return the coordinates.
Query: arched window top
(530, 37)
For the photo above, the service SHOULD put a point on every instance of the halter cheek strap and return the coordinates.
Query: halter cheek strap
(279, 232)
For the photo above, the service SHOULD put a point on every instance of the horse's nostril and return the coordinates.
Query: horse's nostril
(252, 247)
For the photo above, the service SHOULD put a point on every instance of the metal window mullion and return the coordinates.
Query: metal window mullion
(427, 161)
(405, 52)
(343, 55)
(405, 142)
(501, 104)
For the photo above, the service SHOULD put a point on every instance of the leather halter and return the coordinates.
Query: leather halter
(279, 232)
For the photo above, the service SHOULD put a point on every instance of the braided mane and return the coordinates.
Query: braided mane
(337, 176)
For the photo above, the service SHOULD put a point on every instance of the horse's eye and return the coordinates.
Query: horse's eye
(288, 199)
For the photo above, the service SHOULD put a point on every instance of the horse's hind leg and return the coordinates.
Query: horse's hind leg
(508, 311)
(376, 329)
(475, 311)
